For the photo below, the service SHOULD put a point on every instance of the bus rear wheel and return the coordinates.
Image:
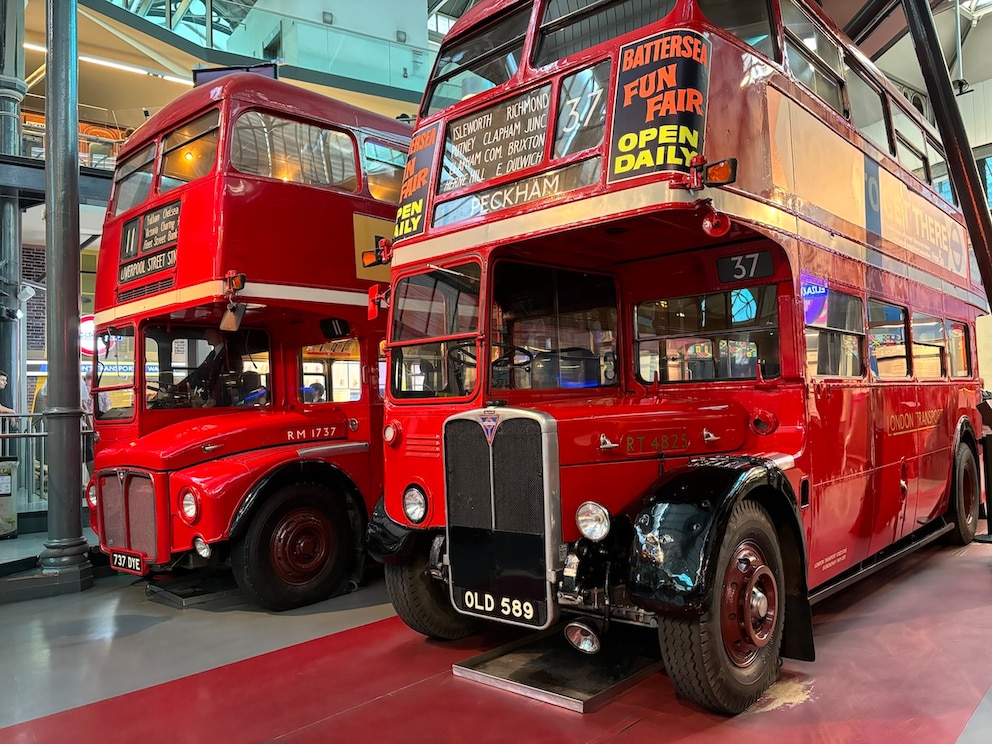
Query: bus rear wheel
(727, 658)
(422, 602)
(296, 549)
(966, 493)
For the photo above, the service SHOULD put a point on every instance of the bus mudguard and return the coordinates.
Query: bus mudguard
(677, 538)
(387, 541)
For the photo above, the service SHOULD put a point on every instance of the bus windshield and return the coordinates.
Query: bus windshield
(552, 329)
(716, 336)
(203, 367)
(441, 305)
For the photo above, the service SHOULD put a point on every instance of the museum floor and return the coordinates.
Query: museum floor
(904, 657)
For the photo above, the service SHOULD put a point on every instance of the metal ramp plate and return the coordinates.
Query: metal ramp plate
(197, 587)
(545, 667)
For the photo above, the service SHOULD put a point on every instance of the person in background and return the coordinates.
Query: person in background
(86, 403)
(4, 408)
(103, 397)
(317, 396)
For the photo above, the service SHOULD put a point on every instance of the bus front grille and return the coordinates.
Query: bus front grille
(497, 519)
(127, 505)
(135, 293)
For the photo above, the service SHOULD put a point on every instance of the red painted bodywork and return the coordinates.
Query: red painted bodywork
(832, 433)
(298, 247)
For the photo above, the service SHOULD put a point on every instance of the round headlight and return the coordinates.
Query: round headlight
(593, 521)
(414, 504)
(91, 495)
(189, 506)
(391, 432)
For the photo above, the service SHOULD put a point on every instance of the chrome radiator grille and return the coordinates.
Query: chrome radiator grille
(127, 506)
(497, 470)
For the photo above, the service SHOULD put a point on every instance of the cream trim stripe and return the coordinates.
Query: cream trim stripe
(589, 210)
(214, 290)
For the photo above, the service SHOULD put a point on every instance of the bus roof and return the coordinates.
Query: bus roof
(479, 11)
(254, 89)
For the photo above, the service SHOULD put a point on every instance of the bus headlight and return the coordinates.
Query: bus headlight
(189, 506)
(91, 495)
(593, 521)
(414, 504)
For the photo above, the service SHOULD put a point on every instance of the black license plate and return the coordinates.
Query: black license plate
(130, 562)
(508, 609)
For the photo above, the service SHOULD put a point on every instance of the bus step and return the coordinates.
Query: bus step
(545, 667)
(195, 588)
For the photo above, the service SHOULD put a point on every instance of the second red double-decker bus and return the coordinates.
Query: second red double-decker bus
(237, 391)
(682, 333)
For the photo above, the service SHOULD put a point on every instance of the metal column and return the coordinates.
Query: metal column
(12, 89)
(65, 550)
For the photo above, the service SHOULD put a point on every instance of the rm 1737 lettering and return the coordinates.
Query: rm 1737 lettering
(310, 432)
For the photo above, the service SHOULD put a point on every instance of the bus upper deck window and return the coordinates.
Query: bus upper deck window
(475, 64)
(190, 151)
(292, 151)
(384, 170)
(133, 180)
(570, 26)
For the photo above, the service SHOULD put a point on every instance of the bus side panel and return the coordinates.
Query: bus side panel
(842, 504)
(896, 475)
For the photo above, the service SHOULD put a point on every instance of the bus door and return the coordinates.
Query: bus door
(838, 401)
(894, 404)
(934, 417)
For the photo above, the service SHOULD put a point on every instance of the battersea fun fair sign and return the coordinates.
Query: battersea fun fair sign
(659, 113)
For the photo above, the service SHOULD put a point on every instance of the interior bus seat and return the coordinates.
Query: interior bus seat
(701, 369)
(249, 388)
(567, 368)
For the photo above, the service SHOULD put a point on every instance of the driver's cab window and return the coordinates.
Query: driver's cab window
(552, 329)
(113, 381)
(204, 367)
(331, 372)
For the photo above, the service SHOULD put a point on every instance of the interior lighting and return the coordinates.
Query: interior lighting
(115, 65)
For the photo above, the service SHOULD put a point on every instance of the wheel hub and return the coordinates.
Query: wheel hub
(748, 604)
(300, 545)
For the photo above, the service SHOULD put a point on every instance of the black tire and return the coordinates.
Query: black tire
(423, 603)
(966, 494)
(296, 549)
(715, 661)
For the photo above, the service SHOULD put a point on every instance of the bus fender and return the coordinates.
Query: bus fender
(678, 531)
(299, 471)
(386, 540)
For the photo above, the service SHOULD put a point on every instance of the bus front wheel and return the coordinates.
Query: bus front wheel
(296, 549)
(422, 602)
(728, 657)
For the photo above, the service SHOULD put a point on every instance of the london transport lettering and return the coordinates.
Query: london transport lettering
(914, 421)
(659, 111)
(416, 181)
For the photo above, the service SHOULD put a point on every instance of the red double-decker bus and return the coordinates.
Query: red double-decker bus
(237, 396)
(681, 333)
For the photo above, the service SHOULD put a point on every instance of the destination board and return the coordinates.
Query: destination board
(502, 139)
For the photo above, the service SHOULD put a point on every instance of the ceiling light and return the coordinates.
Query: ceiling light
(102, 62)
